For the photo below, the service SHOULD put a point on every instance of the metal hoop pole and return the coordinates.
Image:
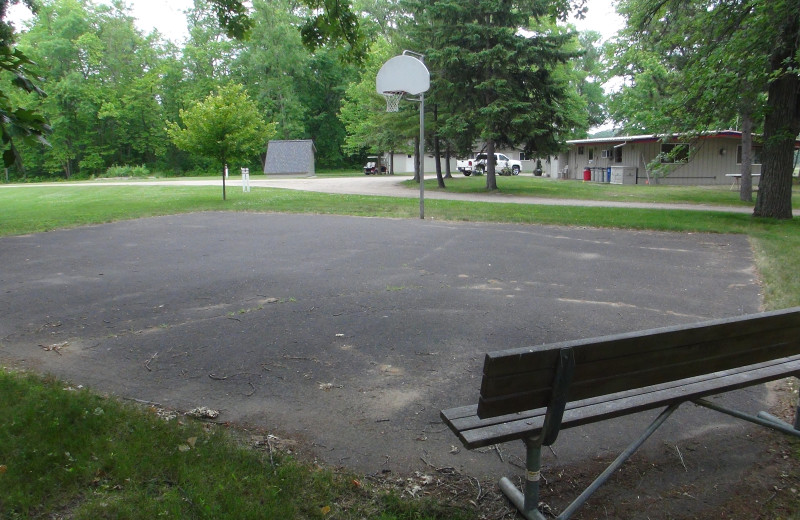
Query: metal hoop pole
(422, 156)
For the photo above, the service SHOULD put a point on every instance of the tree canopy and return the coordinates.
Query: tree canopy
(16, 121)
(224, 127)
(491, 80)
(109, 87)
(702, 64)
(503, 73)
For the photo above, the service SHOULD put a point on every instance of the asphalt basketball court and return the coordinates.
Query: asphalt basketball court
(350, 334)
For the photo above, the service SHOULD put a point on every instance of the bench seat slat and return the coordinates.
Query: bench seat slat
(475, 433)
(465, 417)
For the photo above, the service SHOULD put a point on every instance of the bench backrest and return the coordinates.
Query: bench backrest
(523, 379)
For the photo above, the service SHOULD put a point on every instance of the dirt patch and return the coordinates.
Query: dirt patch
(673, 484)
(642, 489)
(647, 487)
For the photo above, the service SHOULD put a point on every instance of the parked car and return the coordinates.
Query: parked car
(478, 165)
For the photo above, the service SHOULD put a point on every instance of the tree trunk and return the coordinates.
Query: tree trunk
(447, 174)
(438, 153)
(437, 147)
(746, 186)
(391, 162)
(224, 165)
(491, 179)
(781, 126)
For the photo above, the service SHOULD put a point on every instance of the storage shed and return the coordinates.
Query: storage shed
(293, 157)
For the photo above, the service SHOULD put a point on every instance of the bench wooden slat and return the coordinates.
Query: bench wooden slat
(476, 433)
(768, 345)
(522, 378)
(630, 343)
(590, 380)
(465, 417)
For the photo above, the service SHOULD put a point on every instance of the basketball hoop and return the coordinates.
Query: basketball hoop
(401, 75)
(393, 100)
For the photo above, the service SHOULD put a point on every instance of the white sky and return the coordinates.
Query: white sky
(601, 17)
(167, 16)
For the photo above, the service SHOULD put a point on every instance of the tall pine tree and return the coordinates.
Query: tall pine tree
(493, 80)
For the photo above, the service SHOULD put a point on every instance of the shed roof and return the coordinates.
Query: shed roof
(290, 157)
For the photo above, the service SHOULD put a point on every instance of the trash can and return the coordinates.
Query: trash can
(608, 174)
(587, 174)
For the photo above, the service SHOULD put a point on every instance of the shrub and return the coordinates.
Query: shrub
(127, 171)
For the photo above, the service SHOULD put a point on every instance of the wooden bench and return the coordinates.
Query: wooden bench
(531, 393)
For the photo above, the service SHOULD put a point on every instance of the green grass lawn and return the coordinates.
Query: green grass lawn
(549, 188)
(78, 455)
(70, 453)
(43, 208)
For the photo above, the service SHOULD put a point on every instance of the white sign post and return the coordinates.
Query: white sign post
(246, 180)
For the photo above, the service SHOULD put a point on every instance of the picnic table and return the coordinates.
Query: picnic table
(737, 178)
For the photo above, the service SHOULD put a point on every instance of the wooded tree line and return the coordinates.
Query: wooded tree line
(111, 90)
(503, 73)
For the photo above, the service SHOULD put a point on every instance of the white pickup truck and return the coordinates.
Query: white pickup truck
(503, 165)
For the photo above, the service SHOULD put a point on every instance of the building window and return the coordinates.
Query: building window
(756, 154)
(618, 154)
(580, 151)
(674, 153)
(591, 154)
(523, 156)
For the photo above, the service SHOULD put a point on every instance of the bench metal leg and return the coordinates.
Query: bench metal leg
(771, 418)
(763, 418)
(625, 455)
(797, 411)
(527, 504)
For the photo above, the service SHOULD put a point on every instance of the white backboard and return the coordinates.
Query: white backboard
(403, 74)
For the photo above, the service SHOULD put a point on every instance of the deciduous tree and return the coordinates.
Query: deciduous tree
(696, 65)
(17, 121)
(225, 127)
(369, 127)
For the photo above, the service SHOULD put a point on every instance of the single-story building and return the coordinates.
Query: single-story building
(404, 162)
(293, 157)
(705, 159)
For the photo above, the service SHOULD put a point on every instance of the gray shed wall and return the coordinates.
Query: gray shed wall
(290, 158)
